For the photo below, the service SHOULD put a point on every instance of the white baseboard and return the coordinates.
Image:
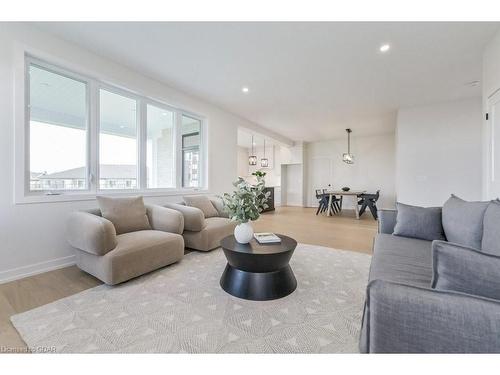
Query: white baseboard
(36, 268)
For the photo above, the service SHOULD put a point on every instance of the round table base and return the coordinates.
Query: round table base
(262, 286)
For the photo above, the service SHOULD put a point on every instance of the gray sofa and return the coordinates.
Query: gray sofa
(406, 313)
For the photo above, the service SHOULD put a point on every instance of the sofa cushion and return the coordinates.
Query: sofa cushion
(463, 221)
(209, 237)
(491, 233)
(136, 254)
(419, 222)
(466, 270)
(128, 214)
(203, 203)
(402, 260)
(219, 206)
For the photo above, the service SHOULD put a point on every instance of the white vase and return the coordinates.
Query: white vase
(243, 232)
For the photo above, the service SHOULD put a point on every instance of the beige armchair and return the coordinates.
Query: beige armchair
(202, 233)
(116, 258)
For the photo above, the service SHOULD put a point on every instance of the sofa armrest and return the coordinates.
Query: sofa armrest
(407, 319)
(165, 219)
(91, 233)
(194, 219)
(386, 221)
(219, 206)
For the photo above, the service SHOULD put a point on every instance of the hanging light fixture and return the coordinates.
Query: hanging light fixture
(348, 157)
(264, 162)
(252, 159)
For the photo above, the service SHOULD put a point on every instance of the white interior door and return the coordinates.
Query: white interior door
(320, 176)
(293, 185)
(493, 123)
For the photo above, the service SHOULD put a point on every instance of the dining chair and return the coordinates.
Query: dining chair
(370, 201)
(336, 202)
(322, 201)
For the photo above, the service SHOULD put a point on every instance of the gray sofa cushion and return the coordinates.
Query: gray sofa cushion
(401, 260)
(491, 229)
(463, 269)
(463, 221)
(419, 222)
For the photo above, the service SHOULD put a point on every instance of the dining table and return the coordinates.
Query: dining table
(354, 194)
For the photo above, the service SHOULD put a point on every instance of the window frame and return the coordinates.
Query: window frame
(32, 61)
(160, 105)
(200, 150)
(23, 194)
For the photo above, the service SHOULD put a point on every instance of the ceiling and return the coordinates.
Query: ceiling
(307, 81)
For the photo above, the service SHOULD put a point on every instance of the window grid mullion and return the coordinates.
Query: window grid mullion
(93, 137)
(178, 150)
(142, 144)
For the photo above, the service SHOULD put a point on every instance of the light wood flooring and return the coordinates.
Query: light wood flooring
(340, 232)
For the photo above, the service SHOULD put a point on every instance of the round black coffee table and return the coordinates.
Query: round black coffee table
(256, 271)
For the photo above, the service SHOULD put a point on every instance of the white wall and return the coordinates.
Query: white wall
(490, 85)
(439, 150)
(242, 162)
(373, 168)
(32, 235)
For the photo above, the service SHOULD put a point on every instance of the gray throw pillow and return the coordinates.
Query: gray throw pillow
(466, 270)
(491, 229)
(419, 222)
(463, 221)
(203, 203)
(128, 214)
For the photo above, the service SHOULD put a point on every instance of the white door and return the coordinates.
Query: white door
(493, 163)
(320, 176)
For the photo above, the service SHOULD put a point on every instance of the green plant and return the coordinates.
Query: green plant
(247, 201)
(259, 174)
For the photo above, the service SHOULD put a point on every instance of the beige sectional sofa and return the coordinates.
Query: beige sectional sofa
(115, 258)
(200, 232)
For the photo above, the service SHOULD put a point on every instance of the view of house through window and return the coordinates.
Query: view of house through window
(117, 141)
(191, 129)
(160, 148)
(63, 121)
(58, 131)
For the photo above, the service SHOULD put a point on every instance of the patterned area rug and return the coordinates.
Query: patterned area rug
(182, 309)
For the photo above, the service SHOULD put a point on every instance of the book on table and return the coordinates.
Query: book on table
(267, 238)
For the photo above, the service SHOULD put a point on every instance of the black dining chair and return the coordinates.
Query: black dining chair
(370, 201)
(322, 201)
(336, 202)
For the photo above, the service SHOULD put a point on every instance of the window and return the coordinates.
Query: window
(117, 141)
(191, 130)
(160, 161)
(57, 131)
(85, 137)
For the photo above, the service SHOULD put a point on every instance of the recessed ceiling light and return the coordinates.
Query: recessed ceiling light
(384, 48)
(245, 89)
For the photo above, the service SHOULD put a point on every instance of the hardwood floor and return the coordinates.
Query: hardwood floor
(340, 232)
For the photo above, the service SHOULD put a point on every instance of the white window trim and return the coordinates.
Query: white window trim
(22, 194)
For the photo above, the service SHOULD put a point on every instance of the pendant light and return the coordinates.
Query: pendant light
(264, 162)
(252, 159)
(348, 157)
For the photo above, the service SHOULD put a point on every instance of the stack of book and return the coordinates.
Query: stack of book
(266, 238)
